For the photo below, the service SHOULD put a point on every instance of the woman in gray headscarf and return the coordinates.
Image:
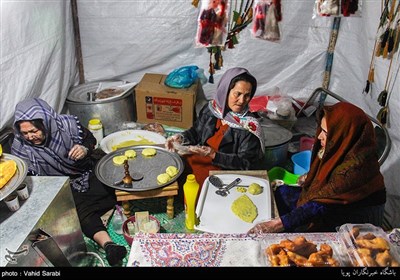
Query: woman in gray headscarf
(58, 145)
(225, 135)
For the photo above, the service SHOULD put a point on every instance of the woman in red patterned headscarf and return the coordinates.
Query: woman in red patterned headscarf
(344, 184)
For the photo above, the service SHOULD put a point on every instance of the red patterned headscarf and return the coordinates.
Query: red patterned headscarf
(348, 170)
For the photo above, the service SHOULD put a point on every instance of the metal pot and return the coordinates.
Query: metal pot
(112, 111)
(277, 140)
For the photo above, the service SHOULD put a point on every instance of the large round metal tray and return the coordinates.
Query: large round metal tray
(17, 179)
(108, 173)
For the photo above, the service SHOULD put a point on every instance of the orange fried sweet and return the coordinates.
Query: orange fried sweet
(366, 258)
(273, 249)
(327, 249)
(300, 252)
(368, 236)
(283, 259)
(377, 243)
(355, 231)
(383, 259)
(300, 246)
(298, 260)
(323, 258)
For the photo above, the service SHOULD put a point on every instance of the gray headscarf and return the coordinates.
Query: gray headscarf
(237, 120)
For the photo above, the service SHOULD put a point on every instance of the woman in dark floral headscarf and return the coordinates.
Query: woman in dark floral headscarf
(344, 184)
(58, 145)
(225, 135)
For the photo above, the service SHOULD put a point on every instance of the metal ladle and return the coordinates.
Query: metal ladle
(225, 191)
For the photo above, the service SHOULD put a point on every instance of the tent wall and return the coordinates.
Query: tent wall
(125, 39)
(37, 53)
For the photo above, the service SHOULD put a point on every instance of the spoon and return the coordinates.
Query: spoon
(225, 191)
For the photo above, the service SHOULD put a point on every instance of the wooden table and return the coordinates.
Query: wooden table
(169, 191)
(263, 174)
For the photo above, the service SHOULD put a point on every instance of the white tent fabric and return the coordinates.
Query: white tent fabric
(125, 39)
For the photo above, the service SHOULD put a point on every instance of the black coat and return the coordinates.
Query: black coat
(239, 148)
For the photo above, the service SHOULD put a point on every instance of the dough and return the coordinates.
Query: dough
(149, 152)
(255, 189)
(245, 209)
(128, 143)
(241, 189)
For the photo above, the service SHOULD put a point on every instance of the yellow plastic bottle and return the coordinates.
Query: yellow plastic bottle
(96, 127)
(190, 191)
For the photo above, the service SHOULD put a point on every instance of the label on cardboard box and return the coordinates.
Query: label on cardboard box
(156, 102)
(158, 108)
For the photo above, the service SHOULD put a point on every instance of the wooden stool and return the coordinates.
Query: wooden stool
(169, 191)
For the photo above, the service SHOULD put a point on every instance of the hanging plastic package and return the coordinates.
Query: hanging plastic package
(182, 77)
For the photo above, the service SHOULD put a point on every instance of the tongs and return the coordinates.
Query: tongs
(225, 191)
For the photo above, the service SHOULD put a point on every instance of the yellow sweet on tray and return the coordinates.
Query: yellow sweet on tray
(119, 160)
(149, 152)
(163, 178)
(130, 153)
(245, 209)
(172, 171)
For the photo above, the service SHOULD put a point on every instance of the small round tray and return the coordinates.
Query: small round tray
(17, 179)
(109, 173)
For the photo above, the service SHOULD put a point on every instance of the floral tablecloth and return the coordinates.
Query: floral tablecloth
(217, 250)
(197, 250)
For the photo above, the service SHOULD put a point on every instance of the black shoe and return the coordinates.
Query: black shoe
(114, 253)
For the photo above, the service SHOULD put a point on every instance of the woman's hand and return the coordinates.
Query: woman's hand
(78, 152)
(301, 179)
(274, 225)
(169, 143)
(204, 151)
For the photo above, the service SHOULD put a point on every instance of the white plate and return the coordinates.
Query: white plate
(131, 134)
(214, 211)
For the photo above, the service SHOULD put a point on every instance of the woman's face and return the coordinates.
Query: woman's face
(324, 131)
(31, 133)
(239, 96)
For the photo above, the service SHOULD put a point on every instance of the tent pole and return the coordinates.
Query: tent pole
(78, 48)
(329, 58)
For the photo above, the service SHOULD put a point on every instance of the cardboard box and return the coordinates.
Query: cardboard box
(156, 102)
